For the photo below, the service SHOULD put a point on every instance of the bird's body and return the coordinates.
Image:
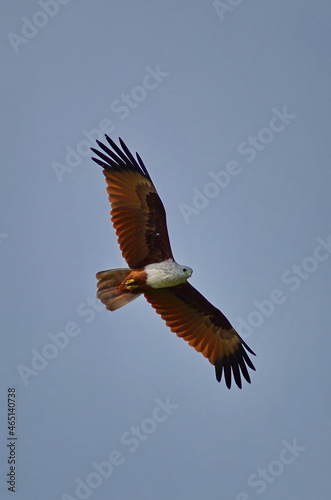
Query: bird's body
(139, 219)
(166, 273)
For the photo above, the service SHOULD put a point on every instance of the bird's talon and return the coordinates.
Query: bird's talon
(130, 284)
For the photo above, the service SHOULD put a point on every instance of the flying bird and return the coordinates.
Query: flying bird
(139, 219)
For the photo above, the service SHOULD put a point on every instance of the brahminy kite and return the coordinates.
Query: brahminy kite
(139, 219)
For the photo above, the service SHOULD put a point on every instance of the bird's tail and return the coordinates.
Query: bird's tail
(110, 289)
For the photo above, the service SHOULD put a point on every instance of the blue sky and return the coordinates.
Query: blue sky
(227, 102)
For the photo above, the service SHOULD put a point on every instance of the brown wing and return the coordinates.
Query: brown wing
(192, 317)
(137, 213)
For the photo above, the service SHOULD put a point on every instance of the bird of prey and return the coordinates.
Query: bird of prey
(139, 219)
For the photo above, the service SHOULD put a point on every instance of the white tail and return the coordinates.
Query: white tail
(110, 291)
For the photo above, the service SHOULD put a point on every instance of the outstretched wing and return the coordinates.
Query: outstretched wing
(137, 214)
(192, 317)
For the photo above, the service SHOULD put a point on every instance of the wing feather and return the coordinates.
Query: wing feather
(137, 214)
(204, 327)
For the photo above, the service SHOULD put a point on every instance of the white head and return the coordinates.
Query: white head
(167, 273)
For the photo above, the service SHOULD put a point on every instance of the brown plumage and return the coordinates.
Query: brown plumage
(193, 318)
(137, 213)
(139, 220)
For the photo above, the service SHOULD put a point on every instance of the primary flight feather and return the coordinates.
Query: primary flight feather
(139, 219)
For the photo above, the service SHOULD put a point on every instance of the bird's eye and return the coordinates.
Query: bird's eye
(184, 269)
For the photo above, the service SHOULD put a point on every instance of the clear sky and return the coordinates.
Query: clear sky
(228, 104)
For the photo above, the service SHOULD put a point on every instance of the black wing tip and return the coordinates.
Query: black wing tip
(117, 158)
(122, 143)
(247, 347)
(235, 366)
(100, 162)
